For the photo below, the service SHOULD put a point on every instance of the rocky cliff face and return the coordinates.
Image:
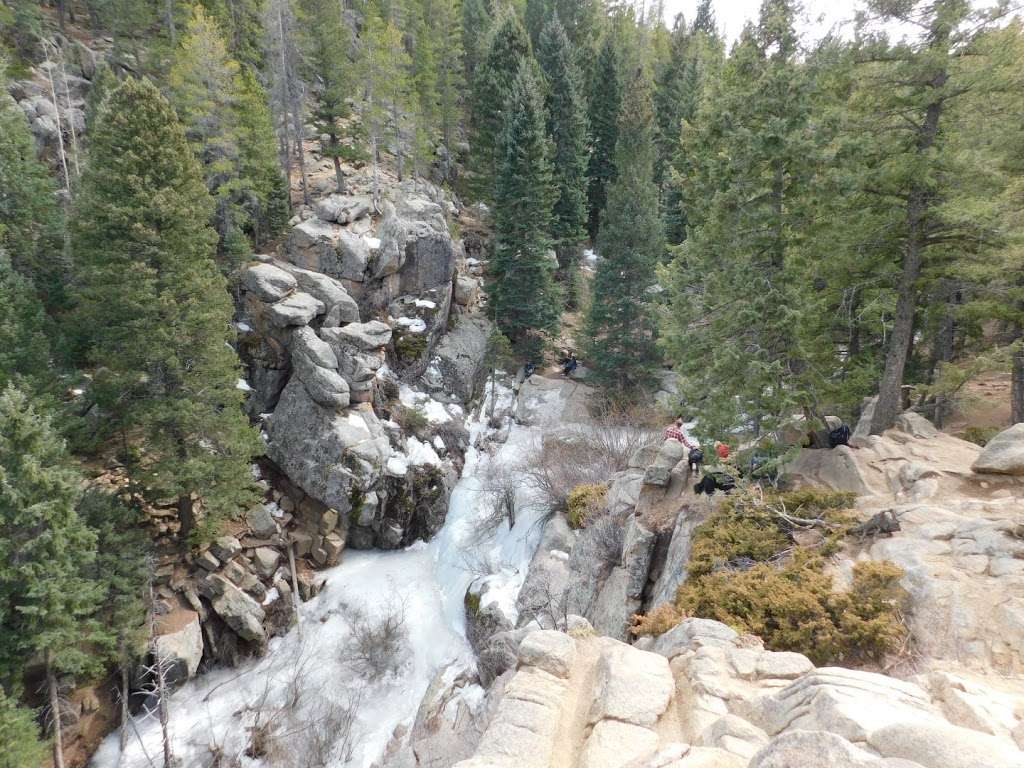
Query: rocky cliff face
(338, 329)
(344, 332)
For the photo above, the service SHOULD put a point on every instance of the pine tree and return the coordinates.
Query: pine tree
(731, 323)
(476, 27)
(604, 106)
(536, 17)
(325, 43)
(567, 128)
(24, 347)
(46, 599)
(450, 78)
(156, 310)
(262, 192)
(910, 89)
(704, 21)
(620, 323)
(242, 22)
(30, 221)
(523, 295)
(384, 68)
(19, 736)
(229, 127)
(507, 46)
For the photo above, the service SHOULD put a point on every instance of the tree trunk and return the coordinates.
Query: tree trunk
(918, 203)
(54, 696)
(186, 517)
(125, 686)
(339, 177)
(299, 151)
(1017, 388)
(169, 18)
(889, 389)
(295, 584)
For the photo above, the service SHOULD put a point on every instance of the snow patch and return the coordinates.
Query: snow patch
(425, 304)
(413, 324)
(243, 385)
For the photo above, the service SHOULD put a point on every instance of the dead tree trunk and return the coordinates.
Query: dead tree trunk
(54, 696)
(1017, 387)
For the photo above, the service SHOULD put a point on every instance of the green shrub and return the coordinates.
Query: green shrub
(585, 501)
(413, 420)
(793, 608)
(980, 435)
(748, 528)
(409, 346)
(746, 570)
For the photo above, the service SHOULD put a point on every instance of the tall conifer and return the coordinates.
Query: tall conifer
(156, 311)
(620, 323)
(507, 46)
(567, 127)
(523, 294)
(605, 103)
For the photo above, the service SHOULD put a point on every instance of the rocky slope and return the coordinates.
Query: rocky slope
(700, 695)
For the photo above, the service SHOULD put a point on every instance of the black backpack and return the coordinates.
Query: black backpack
(696, 456)
(839, 436)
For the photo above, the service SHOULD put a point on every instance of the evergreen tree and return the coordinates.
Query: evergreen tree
(620, 324)
(507, 47)
(523, 295)
(325, 43)
(905, 93)
(156, 312)
(46, 599)
(242, 22)
(262, 190)
(19, 736)
(384, 70)
(704, 21)
(229, 128)
(605, 103)
(536, 17)
(476, 26)
(733, 301)
(567, 128)
(450, 79)
(24, 347)
(30, 221)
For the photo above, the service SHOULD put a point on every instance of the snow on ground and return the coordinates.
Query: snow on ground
(434, 411)
(428, 580)
(413, 324)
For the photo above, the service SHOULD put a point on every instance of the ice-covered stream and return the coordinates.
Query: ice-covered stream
(213, 716)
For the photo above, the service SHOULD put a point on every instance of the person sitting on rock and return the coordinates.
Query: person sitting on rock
(675, 432)
(722, 449)
(839, 436)
(569, 365)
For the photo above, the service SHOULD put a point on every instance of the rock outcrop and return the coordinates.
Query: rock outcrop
(701, 695)
(352, 305)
